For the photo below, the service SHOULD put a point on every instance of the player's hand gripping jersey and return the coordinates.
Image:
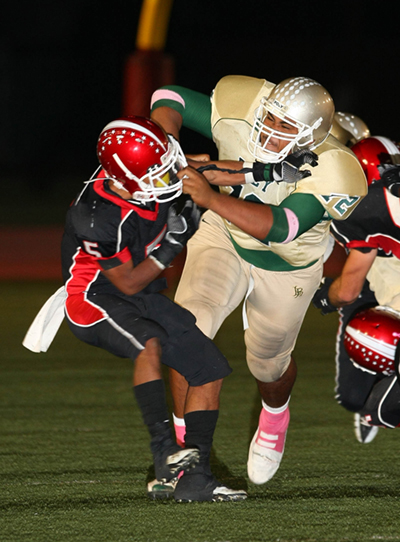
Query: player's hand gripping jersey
(333, 190)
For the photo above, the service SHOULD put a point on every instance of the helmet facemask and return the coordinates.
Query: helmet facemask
(161, 183)
(302, 105)
(261, 134)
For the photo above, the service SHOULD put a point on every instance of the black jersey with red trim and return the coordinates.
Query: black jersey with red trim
(375, 223)
(103, 231)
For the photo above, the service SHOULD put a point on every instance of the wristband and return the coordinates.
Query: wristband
(249, 176)
(259, 172)
(157, 262)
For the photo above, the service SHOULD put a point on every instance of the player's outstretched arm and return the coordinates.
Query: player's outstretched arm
(232, 173)
(169, 119)
(253, 218)
(268, 223)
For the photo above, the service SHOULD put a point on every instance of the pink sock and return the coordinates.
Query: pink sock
(273, 429)
(180, 430)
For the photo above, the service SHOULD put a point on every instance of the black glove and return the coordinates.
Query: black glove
(288, 170)
(321, 299)
(180, 229)
(390, 177)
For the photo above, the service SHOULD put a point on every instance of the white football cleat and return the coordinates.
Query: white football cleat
(266, 448)
(263, 462)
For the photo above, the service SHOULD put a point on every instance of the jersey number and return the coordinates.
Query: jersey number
(342, 204)
(90, 248)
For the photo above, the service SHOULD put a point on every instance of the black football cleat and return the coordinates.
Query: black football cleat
(365, 433)
(200, 487)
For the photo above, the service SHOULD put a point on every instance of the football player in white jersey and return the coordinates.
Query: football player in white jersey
(261, 240)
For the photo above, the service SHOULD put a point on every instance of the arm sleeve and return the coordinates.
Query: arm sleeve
(194, 107)
(297, 214)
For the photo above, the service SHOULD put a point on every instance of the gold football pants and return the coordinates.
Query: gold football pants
(215, 280)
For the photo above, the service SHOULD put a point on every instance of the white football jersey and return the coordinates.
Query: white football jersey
(338, 182)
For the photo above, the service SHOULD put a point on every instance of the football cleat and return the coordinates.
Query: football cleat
(266, 448)
(182, 459)
(169, 458)
(202, 487)
(156, 489)
(365, 433)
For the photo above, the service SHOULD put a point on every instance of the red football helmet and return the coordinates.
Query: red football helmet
(373, 151)
(136, 152)
(371, 340)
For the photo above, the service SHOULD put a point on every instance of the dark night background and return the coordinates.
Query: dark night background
(62, 66)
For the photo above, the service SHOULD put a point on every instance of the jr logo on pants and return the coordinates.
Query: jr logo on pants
(298, 292)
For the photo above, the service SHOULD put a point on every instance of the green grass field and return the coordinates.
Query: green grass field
(75, 459)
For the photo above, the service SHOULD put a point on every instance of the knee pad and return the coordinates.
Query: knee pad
(267, 370)
(265, 359)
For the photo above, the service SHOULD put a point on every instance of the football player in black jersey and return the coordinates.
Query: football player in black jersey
(370, 277)
(121, 231)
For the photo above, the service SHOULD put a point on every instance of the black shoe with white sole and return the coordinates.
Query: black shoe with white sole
(200, 486)
(365, 433)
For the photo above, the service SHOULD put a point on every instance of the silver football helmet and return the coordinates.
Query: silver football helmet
(304, 105)
(348, 128)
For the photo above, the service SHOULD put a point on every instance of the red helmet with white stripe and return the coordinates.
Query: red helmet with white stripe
(371, 340)
(136, 152)
(373, 151)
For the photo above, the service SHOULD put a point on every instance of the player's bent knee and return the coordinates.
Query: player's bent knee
(196, 358)
(267, 355)
(152, 347)
(266, 370)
